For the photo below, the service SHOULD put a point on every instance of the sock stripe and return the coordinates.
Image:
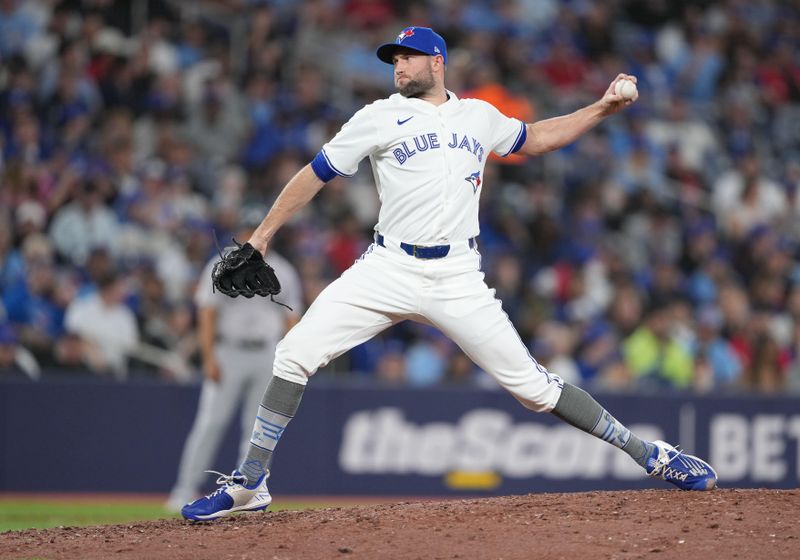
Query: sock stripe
(276, 412)
(609, 431)
(597, 423)
(256, 445)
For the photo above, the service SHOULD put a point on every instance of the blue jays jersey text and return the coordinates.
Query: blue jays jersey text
(430, 141)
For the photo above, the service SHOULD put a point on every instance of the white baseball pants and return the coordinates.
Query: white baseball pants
(387, 286)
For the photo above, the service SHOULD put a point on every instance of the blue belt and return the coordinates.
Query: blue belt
(421, 251)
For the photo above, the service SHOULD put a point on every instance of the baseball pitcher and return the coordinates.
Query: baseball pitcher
(428, 149)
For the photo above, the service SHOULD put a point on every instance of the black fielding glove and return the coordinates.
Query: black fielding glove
(244, 272)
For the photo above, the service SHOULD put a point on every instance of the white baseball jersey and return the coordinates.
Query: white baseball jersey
(427, 161)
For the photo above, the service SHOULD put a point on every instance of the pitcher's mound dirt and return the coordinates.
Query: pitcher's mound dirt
(653, 523)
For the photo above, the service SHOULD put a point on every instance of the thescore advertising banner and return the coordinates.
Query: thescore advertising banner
(88, 435)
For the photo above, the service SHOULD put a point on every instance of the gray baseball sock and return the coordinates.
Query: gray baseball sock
(578, 408)
(278, 405)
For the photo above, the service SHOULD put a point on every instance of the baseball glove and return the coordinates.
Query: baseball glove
(243, 272)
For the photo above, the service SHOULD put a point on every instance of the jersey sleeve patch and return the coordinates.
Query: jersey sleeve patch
(520, 141)
(324, 169)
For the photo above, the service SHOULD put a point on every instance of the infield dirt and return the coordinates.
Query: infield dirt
(659, 524)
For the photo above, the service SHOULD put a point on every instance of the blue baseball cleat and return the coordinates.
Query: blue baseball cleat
(687, 472)
(229, 498)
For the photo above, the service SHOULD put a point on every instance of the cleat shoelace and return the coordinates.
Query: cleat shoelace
(225, 480)
(664, 471)
(228, 479)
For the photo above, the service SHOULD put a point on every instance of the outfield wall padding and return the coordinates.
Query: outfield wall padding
(88, 435)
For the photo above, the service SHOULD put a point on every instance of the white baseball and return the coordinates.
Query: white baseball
(625, 88)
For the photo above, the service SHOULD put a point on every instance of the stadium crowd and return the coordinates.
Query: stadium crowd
(659, 251)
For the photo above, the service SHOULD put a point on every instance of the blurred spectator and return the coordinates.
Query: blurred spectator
(564, 67)
(84, 224)
(31, 218)
(779, 75)
(391, 367)
(716, 364)
(764, 359)
(369, 13)
(69, 355)
(346, 243)
(17, 27)
(599, 358)
(696, 143)
(793, 375)
(26, 144)
(107, 328)
(426, 360)
(11, 263)
(744, 199)
(698, 67)
(216, 123)
(642, 170)
(506, 277)
(554, 347)
(32, 301)
(627, 307)
(99, 265)
(653, 356)
(461, 370)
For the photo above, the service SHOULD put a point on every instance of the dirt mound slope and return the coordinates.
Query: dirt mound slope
(632, 524)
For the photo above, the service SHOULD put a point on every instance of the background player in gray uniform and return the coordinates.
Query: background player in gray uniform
(428, 150)
(237, 343)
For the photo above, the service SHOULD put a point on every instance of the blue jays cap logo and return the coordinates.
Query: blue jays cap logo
(475, 180)
(405, 33)
(420, 39)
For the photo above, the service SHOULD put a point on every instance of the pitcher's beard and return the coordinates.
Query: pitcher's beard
(416, 88)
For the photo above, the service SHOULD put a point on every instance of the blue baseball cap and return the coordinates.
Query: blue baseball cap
(421, 39)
